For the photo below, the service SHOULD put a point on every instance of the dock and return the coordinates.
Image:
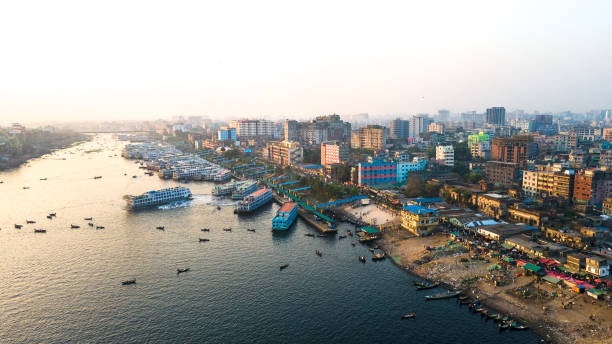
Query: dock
(306, 212)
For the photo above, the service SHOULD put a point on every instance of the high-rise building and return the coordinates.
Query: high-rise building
(371, 137)
(436, 127)
(253, 128)
(607, 134)
(517, 149)
(592, 186)
(443, 115)
(334, 153)
(325, 128)
(225, 133)
(418, 125)
(496, 115)
(284, 152)
(292, 130)
(606, 115)
(400, 128)
(501, 173)
(446, 154)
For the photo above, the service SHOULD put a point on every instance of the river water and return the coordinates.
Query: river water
(64, 286)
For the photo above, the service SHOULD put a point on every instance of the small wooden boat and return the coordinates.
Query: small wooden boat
(205, 229)
(180, 271)
(99, 227)
(309, 235)
(227, 229)
(97, 177)
(498, 318)
(491, 315)
(353, 244)
(503, 326)
(461, 298)
(378, 256)
(43, 178)
(90, 224)
(204, 240)
(251, 229)
(26, 187)
(519, 327)
(284, 266)
(408, 316)
(75, 226)
(18, 226)
(318, 253)
(132, 281)
(426, 286)
(362, 259)
(49, 217)
(30, 221)
(322, 235)
(478, 309)
(88, 218)
(40, 231)
(134, 176)
(341, 237)
(218, 207)
(448, 295)
(160, 227)
(52, 214)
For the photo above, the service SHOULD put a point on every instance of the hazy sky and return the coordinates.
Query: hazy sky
(63, 60)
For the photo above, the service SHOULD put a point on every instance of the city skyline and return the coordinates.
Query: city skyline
(76, 61)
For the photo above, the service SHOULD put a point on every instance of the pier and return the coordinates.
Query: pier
(324, 223)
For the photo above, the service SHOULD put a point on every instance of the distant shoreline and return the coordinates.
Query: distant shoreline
(16, 161)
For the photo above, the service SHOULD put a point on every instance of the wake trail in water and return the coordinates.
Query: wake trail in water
(199, 200)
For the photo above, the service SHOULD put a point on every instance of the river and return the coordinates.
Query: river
(64, 286)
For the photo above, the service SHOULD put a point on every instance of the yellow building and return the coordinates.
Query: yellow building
(419, 220)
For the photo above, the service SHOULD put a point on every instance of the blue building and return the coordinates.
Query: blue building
(226, 133)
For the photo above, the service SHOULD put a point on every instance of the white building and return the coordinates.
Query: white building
(446, 154)
(253, 128)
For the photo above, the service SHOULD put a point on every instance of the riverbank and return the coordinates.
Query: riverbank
(42, 146)
(519, 296)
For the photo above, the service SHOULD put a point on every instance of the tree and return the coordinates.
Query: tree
(413, 187)
(312, 156)
(432, 190)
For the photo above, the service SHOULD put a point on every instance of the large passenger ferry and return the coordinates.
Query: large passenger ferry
(158, 197)
(254, 200)
(285, 216)
(226, 189)
(244, 189)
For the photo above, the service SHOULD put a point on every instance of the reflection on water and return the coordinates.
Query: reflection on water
(65, 285)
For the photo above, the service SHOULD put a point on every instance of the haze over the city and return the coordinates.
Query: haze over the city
(74, 60)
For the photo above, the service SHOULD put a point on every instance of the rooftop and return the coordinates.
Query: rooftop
(287, 207)
(418, 209)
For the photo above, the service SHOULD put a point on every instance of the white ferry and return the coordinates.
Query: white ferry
(158, 197)
(254, 200)
(223, 175)
(227, 189)
(244, 189)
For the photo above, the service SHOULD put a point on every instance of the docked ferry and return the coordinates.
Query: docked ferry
(244, 189)
(223, 175)
(254, 200)
(285, 216)
(158, 197)
(226, 189)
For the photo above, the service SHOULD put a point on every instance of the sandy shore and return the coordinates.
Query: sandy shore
(583, 322)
